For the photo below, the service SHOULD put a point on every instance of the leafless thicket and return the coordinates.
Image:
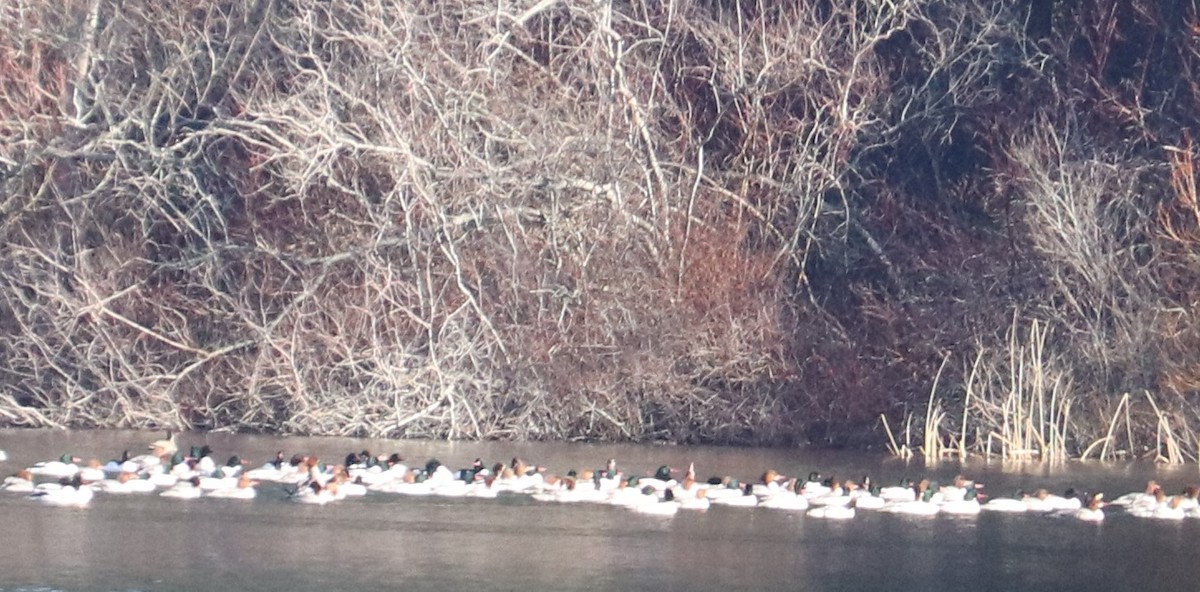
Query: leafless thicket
(541, 219)
(408, 219)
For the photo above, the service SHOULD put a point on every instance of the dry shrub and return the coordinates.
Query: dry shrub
(679, 221)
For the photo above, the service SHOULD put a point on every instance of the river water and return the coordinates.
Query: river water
(392, 542)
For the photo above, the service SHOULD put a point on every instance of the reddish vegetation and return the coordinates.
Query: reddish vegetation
(697, 221)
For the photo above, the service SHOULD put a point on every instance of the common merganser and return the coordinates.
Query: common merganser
(94, 471)
(1190, 498)
(315, 493)
(770, 483)
(661, 480)
(1146, 496)
(278, 470)
(921, 504)
(65, 466)
(224, 477)
(510, 480)
(666, 507)
(574, 490)
(899, 493)
(72, 493)
(699, 501)
(958, 490)
(814, 486)
(145, 462)
(866, 501)
(243, 490)
(1093, 512)
(21, 482)
(125, 483)
(832, 512)
(785, 500)
(1044, 501)
(347, 486)
(234, 467)
(1163, 508)
(1006, 504)
(204, 465)
(839, 494)
(724, 487)
(184, 489)
(747, 498)
(629, 494)
(967, 505)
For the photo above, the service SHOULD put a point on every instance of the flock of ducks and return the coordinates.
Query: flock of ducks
(166, 471)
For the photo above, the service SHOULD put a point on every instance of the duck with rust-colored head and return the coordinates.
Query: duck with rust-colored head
(1093, 511)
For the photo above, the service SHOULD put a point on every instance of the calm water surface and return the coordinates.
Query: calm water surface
(391, 542)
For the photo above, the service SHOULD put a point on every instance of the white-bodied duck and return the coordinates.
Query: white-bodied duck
(65, 466)
(832, 512)
(786, 499)
(746, 499)
(74, 492)
(1044, 501)
(1145, 496)
(1163, 508)
(667, 506)
(1009, 505)
(920, 505)
(124, 483)
(245, 489)
(1093, 511)
(21, 482)
(186, 489)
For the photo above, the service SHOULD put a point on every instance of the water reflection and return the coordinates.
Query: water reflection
(390, 542)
